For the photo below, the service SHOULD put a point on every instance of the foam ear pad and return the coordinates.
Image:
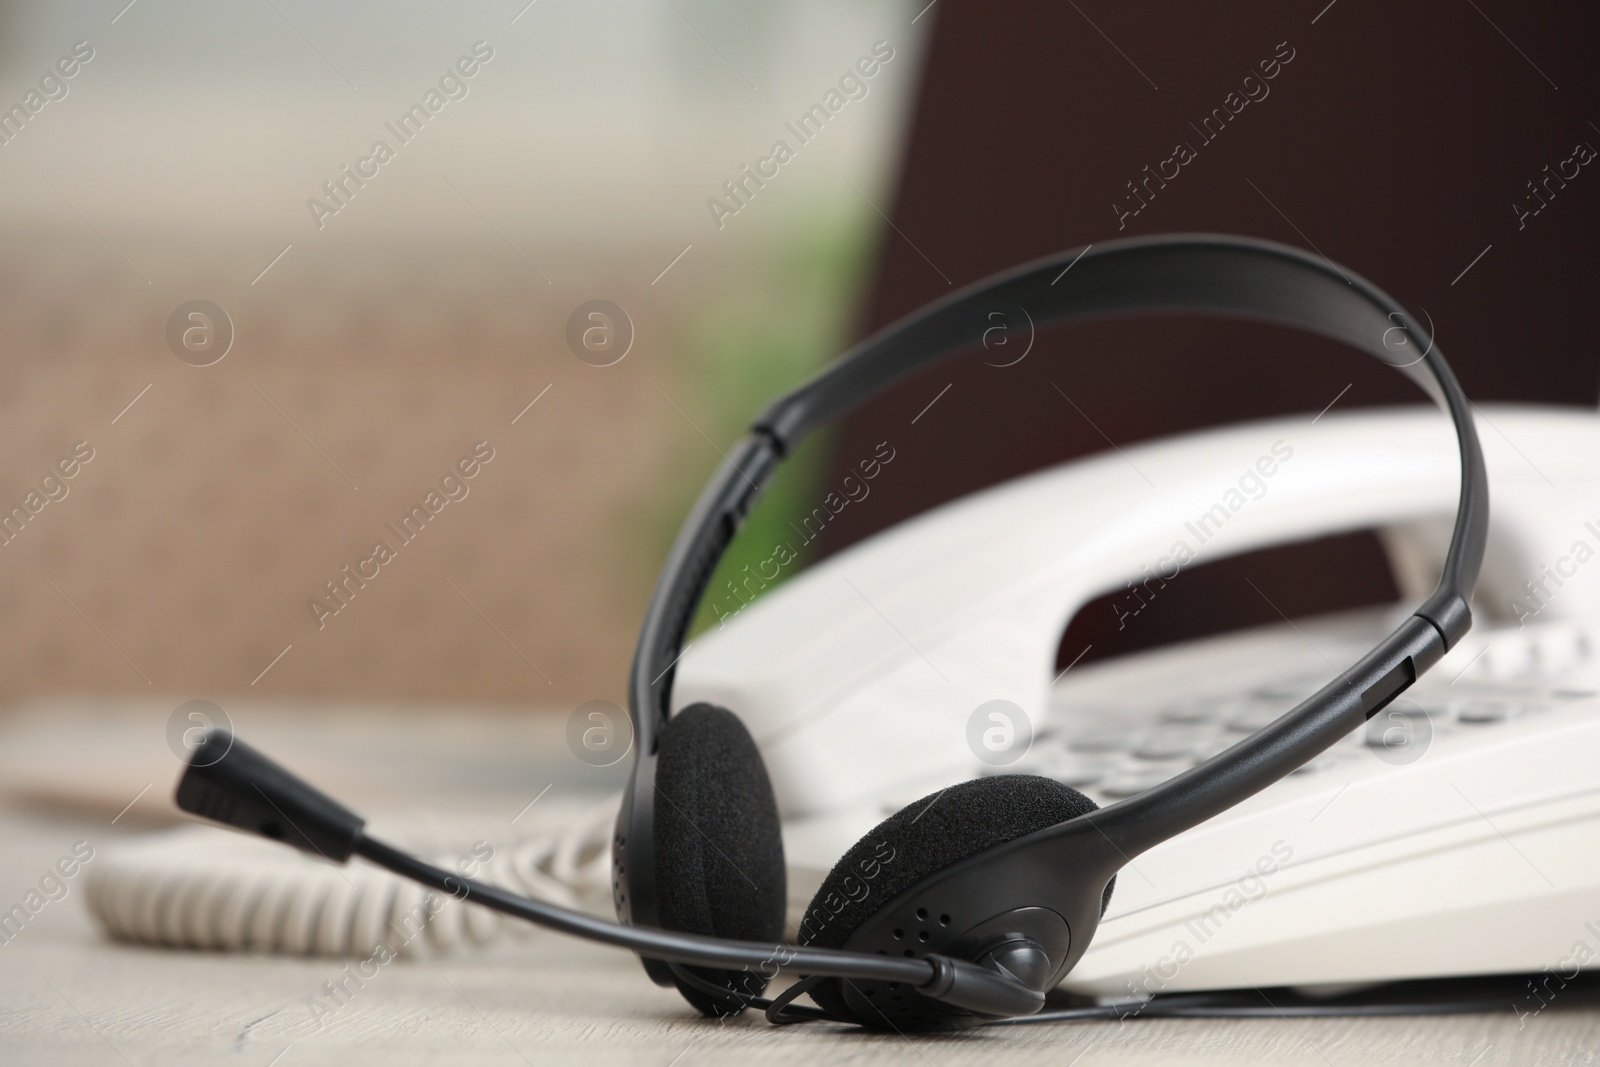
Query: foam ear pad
(936, 831)
(718, 854)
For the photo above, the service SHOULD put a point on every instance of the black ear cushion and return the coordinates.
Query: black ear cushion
(718, 854)
(922, 838)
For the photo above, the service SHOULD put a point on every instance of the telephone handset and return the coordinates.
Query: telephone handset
(866, 667)
(865, 681)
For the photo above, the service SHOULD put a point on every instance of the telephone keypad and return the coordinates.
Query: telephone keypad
(1517, 673)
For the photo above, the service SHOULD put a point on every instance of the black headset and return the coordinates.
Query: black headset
(968, 906)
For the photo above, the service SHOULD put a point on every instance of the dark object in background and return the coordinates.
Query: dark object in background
(1417, 144)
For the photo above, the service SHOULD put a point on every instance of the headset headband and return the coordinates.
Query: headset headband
(1221, 275)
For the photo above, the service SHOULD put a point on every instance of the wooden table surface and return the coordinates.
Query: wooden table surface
(70, 996)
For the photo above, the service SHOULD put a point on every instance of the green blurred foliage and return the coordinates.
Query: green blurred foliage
(778, 325)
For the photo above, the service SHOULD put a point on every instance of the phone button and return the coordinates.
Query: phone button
(1131, 783)
(1479, 712)
(1317, 764)
(1255, 717)
(1103, 739)
(1169, 745)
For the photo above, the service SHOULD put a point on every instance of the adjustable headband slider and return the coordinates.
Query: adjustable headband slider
(1450, 615)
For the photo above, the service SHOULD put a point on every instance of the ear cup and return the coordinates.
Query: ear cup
(718, 854)
(920, 839)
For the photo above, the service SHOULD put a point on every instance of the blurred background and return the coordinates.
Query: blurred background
(382, 329)
(494, 283)
(374, 347)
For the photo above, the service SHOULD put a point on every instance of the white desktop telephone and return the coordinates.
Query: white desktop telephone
(1459, 834)
(1473, 847)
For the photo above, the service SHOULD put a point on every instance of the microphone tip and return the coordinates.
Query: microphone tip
(228, 782)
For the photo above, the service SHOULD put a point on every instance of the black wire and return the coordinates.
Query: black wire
(1118, 1010)
(781, 1003)
(775, 1009)
(1226, 1004)
(1444, 996)
(729, 1001)
(1223, 1008)
(1416, 997)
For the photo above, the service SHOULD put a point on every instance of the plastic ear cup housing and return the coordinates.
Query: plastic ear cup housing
(718, 854)
(886, 895)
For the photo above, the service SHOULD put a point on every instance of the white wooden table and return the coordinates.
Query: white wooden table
(69, 996)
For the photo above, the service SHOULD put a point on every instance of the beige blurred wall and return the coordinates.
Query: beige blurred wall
(382, 347)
